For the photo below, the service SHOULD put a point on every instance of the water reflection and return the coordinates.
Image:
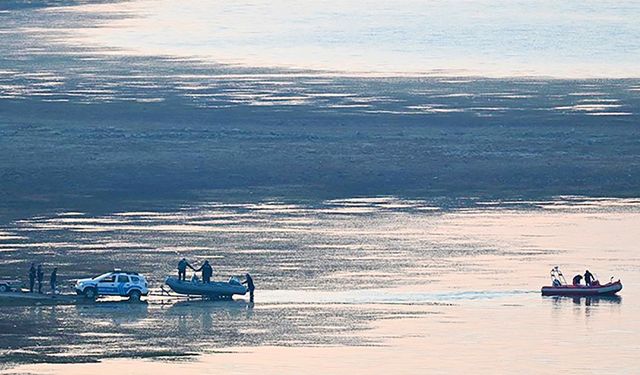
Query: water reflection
(584, 306)
(53, 334)
(586, 301)
(205, 314)
(116, 312)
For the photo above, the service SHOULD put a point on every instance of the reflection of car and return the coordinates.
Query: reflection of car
(116, 283)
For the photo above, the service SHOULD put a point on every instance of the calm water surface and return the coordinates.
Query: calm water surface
(157, 102)
(487, 37)
(376, 284)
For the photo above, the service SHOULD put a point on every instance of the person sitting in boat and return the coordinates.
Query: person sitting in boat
(182, 269)
(577, 279)
(207, 272)
(195, 279)
(588, 278)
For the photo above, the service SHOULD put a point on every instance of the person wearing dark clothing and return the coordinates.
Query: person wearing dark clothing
(588, 278)
(182, 269)
(40, 275)
(32, 277)
(207, 272)
(248, 280)
(54, 280)
(577, 279)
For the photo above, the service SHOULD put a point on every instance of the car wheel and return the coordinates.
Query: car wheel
(134, 296)
(90, 293)
(4, 288)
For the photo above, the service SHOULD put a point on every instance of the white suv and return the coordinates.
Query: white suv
(116, 283)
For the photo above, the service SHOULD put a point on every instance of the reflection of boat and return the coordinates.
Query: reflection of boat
(560, 287)
(200, 305)
(595, 300)
(214, 289)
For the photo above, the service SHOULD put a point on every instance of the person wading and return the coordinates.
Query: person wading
(248, 280)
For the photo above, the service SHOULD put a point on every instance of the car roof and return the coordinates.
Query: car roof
(118, 272)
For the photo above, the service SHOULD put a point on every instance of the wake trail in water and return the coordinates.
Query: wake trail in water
(383, 297)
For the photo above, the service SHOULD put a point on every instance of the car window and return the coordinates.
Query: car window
(135, 279)
(108, 279)
(123, 279)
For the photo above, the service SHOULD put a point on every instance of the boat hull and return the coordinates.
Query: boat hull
(580, 290)
(214, 289)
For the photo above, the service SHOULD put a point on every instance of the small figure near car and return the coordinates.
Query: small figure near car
(40, 275)
(32, 277)
(53, 280)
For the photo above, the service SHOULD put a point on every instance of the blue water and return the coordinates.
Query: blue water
(368, 163)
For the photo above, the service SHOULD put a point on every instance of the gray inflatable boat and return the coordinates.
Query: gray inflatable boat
(214, 289)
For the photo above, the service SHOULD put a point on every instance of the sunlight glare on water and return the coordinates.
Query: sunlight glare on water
(489, 38)
(418, 281)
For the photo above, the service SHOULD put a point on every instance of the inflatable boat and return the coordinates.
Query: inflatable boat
(213, 289)
(559, 287)
(608, 289)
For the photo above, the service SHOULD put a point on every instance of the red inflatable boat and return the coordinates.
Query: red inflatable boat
(608, 289)
(560, 287)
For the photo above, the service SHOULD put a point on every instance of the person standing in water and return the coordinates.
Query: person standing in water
(588, 278)
(40, 275)
(248, 280)
(54, 280)
(32, 277)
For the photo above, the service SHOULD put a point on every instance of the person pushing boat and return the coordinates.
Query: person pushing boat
(248, 281)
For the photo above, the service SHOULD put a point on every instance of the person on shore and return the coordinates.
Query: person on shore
(32, 277)
(248, 281)
(588, 278)
(40, 275)
(182, 269)
(54, 280)
(207, 272)
(577, 279)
